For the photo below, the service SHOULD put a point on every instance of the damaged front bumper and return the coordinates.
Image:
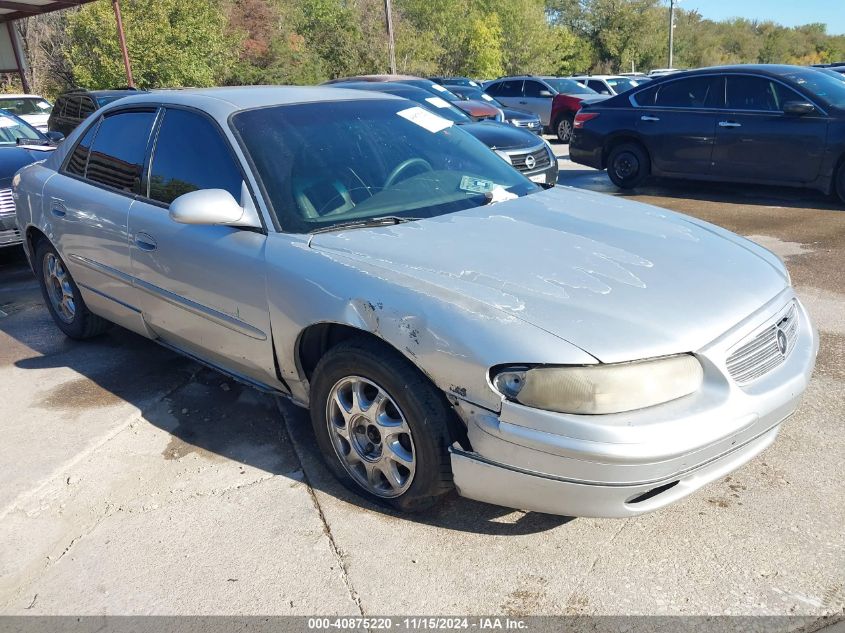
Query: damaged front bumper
(627, 464)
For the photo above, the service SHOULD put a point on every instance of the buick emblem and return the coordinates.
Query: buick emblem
(530, 162)
(782, 343)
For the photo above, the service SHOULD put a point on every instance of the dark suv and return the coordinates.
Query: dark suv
(74, 106)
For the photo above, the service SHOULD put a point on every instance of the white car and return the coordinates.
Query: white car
(608, 84)
(34, 109)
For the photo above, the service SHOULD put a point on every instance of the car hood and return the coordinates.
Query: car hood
(477, 108)
(618, 279)
(13, 157)
(516, 113)
(500, 135)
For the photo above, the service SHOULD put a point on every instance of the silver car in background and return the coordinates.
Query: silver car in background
(447, 322)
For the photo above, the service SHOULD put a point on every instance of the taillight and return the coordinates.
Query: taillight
(582, 117)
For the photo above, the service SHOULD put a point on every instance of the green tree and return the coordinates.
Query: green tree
(171, 43)
(484, 47)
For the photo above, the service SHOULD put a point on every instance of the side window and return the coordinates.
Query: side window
(597, 86)
(117, 155)
(695, 92)
(86, 107)
(532, 89)
(191, 154)
(79, 157)
(510, 88)
(646, 97)
(58, 109)
(71, 108)
(757, 93)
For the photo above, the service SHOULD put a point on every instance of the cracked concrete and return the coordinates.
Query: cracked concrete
(135, 482)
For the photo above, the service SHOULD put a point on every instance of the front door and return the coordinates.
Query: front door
(757, 141)
(537, 98)
(203, 288)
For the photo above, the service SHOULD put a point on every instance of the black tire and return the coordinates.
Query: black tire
(628, 165)
(563, 128)
(839, 181)
(423, 406)
(82, 324)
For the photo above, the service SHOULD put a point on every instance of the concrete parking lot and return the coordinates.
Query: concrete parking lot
(136, 482)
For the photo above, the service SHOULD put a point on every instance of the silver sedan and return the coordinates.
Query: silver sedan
(447, 322)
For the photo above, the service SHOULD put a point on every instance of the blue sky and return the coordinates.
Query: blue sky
(787, 12)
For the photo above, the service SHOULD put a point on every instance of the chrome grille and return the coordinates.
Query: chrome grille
(541, 160)
(7, 202)
(760, 355)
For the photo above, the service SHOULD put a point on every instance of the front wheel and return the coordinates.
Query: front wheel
(628, 165)
(381, 425)
(563, 129)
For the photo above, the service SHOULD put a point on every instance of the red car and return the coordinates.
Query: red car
(564, 109)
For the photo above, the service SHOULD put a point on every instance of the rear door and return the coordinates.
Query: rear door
(537, 98)
(88, 203)
(203, 288)
(756, 141)
(677, 122)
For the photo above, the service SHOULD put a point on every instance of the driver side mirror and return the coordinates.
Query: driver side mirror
(798, 108)
(54, 136)
(211, 207)
(546, 93)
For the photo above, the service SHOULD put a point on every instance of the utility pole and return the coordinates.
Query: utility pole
(122, 39)
(671, 30)
(391, 47)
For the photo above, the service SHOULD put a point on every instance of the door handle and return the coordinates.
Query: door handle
(646, 117)
(57, 208)
(145, 242)
(523, 103)
(729, 124)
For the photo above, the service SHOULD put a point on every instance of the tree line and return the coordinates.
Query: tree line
(175, 43)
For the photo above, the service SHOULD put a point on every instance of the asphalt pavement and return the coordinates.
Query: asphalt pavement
(136, 482)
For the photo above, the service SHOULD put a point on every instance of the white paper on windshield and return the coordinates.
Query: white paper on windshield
(7, 122)
(486, 97)
(438, 87)
(425, 119)
(39, 148)
(437, 102)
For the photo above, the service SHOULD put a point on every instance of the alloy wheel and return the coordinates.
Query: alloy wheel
(371, 436)
(59, 289)
(564, 130)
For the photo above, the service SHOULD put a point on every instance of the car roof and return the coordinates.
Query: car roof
(598, 77)
(773, 70)
(20, 96)
(222, 101)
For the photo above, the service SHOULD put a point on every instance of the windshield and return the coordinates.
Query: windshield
(569, 86)
(26, 105)
(474, 93)
(621, 84)
(11, 129)
(339, 161)
(822, 83)
(101, 101)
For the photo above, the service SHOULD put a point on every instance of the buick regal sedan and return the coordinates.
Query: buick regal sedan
(447, 322)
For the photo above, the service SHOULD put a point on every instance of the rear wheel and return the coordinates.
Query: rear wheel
(62, 296)
(839, 182)
(563, 129)
(628, 165)
(381, 425)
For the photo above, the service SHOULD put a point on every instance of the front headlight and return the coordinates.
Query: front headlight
(504, 156)
(600, 389)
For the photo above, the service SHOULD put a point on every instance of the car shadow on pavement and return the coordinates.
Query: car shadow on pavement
(208, 415)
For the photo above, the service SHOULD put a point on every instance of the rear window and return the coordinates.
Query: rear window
(117, 154)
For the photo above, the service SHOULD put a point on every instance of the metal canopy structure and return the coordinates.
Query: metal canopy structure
(12, 59)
